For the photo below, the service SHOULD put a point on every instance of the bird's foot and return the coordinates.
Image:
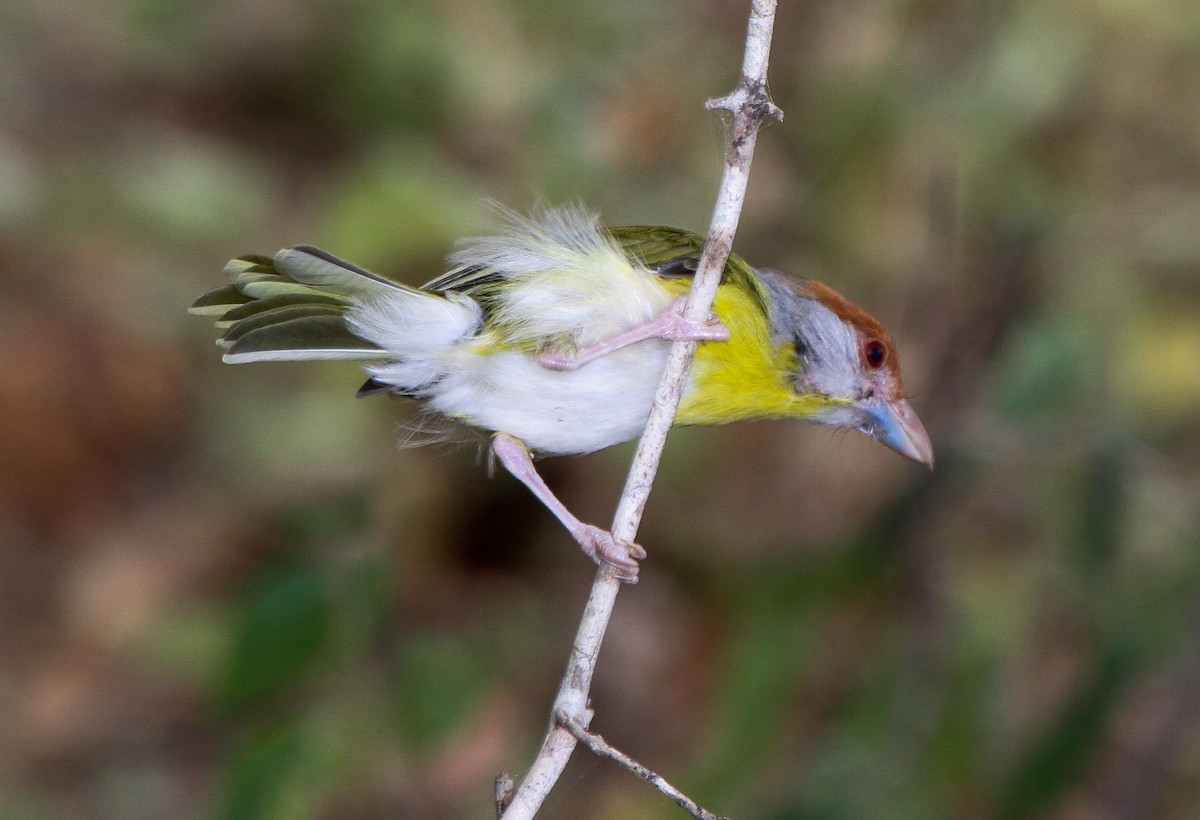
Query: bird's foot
(672, 326)
(601, 547)
(669, 325)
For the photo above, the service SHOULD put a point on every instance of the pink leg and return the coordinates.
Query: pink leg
(669, 325)
(596, 543)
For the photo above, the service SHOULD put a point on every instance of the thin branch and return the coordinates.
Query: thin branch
(504, 793)
(599, 746)
(749, 103)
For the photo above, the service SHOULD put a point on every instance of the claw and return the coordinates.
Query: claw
(601, 547)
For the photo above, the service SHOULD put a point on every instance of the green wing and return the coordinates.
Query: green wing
(676, 252)
(660, 248)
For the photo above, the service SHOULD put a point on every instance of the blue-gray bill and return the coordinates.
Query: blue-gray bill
(896, 425)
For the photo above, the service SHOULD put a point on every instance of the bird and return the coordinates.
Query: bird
(550, 335)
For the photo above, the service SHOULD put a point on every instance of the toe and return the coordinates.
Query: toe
(602, 547)
(623, 560)
(716, 333)
(555, 361)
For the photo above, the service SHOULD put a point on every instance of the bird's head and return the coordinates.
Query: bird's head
(846, 360)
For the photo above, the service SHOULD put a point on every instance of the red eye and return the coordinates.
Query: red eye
(875, 353)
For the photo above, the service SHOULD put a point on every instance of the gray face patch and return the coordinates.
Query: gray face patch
(827, 347)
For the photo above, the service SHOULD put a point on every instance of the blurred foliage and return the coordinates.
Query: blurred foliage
(224, 593)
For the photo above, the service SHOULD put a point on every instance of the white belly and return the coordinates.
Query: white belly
(603, 403)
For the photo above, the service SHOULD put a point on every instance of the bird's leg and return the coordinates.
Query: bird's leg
(669, 325)
(596, 543)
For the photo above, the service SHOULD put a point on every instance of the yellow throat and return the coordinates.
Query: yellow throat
(747, 376)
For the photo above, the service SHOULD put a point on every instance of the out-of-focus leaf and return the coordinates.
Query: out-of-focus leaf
(437, 680)
(399, 199)
(323, 523)
(1103, 511)
(190, 188)
(1154, 370)
(22, 807)
(1047, 369)
(258, 773)
(279, 638)
(1057, 756)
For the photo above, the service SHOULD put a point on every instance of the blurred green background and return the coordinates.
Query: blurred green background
(225, 593)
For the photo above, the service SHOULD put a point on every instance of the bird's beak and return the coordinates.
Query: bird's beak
(895, 424)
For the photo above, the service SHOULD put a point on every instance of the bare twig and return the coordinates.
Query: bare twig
(749, 104)
(504, 793)
(601, 747)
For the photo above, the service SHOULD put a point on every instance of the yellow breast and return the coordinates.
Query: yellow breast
(745, 377)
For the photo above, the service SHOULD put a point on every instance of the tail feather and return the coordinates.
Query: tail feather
(304, 304)
(260, 306)
(276, 316)
(292, 308)
(322, 338)
(219, 302)
(313, 266)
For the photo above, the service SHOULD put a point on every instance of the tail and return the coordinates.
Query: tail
(307, 305)
(294, 308)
